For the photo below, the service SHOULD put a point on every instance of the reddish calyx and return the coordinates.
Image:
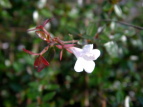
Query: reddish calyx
(65, 46)
(40, 63)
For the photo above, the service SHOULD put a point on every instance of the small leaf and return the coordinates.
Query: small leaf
(32, 93)
(5, 4)
(103, 39)
(118, 10)
(72, 30)
(107, 7)
(112, 48)
(119, 96)
(91, 30)
(29, 52)
(49, 96)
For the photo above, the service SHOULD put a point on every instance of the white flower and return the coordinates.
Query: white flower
(85, 58)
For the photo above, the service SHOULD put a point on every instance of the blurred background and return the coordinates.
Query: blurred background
(117, 76)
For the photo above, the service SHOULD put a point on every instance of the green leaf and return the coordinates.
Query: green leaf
(46, 13)
(107, 7)
(103, 39)
(91, 29)
(49, 96)
(118, 10)
(111, 48)
(5, 3)
(18, 66)
(120, 96)
(33, 93)
(117, 36)
(72, 30)
(52, 86)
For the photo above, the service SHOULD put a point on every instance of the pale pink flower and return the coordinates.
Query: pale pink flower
(85, 58)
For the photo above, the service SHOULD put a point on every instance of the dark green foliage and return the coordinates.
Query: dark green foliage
(119, 69)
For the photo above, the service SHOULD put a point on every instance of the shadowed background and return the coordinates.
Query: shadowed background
(119, 70)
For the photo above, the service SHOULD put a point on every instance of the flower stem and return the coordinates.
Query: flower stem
(44, 50)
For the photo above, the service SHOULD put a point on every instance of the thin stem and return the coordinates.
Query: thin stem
(44, 50)
(124, 23)
(46, 32)
(59, 41)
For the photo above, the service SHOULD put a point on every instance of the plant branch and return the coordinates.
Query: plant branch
(124, 23)
(44, 50)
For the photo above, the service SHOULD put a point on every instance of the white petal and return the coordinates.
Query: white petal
(96, 53)
(88, 66)
(79, 65)
(88, 48)
(93, 55)
(76, 51)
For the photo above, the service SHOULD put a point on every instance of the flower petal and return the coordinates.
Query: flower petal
(79, 65)
(88, 66)
(96, 53)
(76, 51)
(92, 55)
(88, 48)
